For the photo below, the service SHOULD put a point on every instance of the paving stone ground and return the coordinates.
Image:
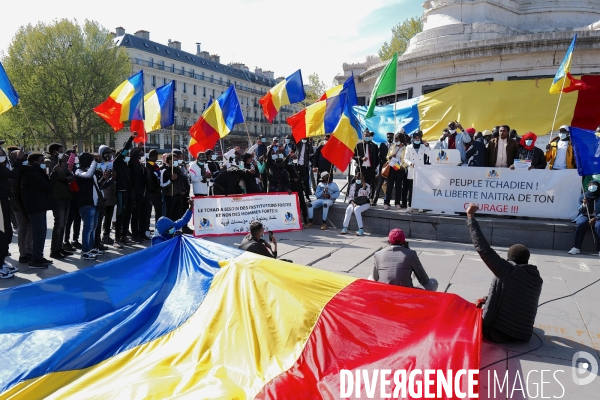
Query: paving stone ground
(564, 326)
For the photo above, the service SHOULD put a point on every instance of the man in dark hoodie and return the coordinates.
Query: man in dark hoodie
(60, 179)
(139, 198)
(254, 243)
(510, 308)
(123, 191)
(36, 194)
(24, 238)
(8, 170)
(153, 190)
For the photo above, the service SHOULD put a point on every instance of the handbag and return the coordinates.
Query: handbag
(101, 206)
(360, 200)
(385, 171)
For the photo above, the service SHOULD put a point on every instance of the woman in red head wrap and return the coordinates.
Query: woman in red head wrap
(528, 152)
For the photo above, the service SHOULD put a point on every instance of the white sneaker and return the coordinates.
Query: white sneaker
(6, 267)
(5, 275)
(88, 256)
(96, 252)
(574, 251)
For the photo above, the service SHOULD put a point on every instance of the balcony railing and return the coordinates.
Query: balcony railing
(183, 109)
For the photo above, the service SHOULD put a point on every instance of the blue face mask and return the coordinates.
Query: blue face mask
(287, 141)
(358, 182)
(171, 231)
(127, 159)
(213, 157)
(592, 188)
(25, 162)
(175, 163)
(274, 157)
(367, 139)
(43, 166)
(416, 141)
(263, 139)
(200, 163)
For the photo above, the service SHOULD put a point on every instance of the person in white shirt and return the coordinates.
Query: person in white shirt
(451, 139)
(200, 175)
(559, 152)
(502, 150)
(414, 156)
(358, 197)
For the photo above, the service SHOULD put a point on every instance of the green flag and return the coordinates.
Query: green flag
(386, 84)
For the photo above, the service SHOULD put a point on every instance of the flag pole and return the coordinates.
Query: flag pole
(557, 107)
(172, 154)
(395, 98)
(248, 133)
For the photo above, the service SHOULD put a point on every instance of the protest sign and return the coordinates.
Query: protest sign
(445, 157)
(232, 215)
(500, 191)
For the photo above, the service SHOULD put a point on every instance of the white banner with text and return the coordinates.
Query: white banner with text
(501, 191)
(232, 215)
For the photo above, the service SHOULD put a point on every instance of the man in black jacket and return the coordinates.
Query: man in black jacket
(476, 153)
(153, 189)
(511, 305)
(36, 194)
(304, 151)
(366, 155)
(8, 171)
(254, 243)
(137, 171)
(123, 192)
(382, 157)
(320, 163)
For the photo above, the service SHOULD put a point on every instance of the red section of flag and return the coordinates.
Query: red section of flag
(298, 125)
(587, 111)
(576, 84)
(370, 325)
(110, 111)
(138, 126)
(268, 107)
(337, 153)
(205, 135)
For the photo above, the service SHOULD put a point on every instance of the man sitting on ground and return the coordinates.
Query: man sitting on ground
(510, 308)
(326, 194)
(166, 228)
(254, 243)
(396, 263)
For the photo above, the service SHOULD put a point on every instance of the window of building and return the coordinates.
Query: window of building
(213, 94)
(195, 89)
(151, 62)
(167, 139)
(255, 128)
(204, 91)
(182, 70)
(212, 77)
(185, 104)
(174, 86)
(153, 138)
(164, 81)
(203, 106)
(193, 73)
(153, 80)
(172, 67)
(184, 87)
(177, 141)
(195, 108)
(161, 65)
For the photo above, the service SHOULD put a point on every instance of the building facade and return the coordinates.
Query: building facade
(489, 40)
(198, 77)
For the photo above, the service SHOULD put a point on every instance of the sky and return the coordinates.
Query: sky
(277, 35)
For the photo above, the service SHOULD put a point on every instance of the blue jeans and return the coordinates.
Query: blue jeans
(582, 223)
(318, 203)
(89, 216)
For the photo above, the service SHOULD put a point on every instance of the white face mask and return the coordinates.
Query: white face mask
(213, 157)
(397, 143)
(142, 159)
(452, 131)
(528, 142)
(76, 160)
(2, 159)
(175, 163)
(295, 161)
(60, 155)
(127, 159)
(303, 140)
(358, 181)
(416, 141)
(592, 188)
(563, 136)
(274, 157)
(280, 155)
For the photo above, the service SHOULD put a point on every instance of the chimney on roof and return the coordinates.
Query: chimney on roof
(204, 54)
(215, 57)
(198, 48)
(143, 34)
(120, 31)
(175, 44)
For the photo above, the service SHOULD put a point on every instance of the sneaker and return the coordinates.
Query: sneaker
(101, 247)
(67, 247)
(24, 259)
(574, 251)
(76, 244)
(360, 232)
(96, 252)
(344, 231)
(5, 275)
(88, 256)
(118, 244)
(66, 252)
(309, 225)
(386, 206)
(107, 240)
(57, 254)
(9, 268)
(125, 240)
(38, 264)
(323, 226)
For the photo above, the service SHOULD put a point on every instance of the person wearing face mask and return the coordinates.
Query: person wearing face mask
(153, 191)
(297, 185)
(587, 217)
(60, 178)
(9, 170)
(289, 146)
(528, 152)
(200, 175)
(273, 147)
(559, 152)
(320, 163)
(139, 196)
(487, 136)
(251, 174)
(166, 229)
(414, 157)
(327, 193)
(382, 157)
(358, 197)
(502, 151)
(261, 149)
(18, 159)
(452, 139)
(279, 178)
(397, 177)
(172, 187)
(36, 194)
(110, 200)
(123, 178)
(73, 218)
(476, 152)
(305, 151)
(366, 155)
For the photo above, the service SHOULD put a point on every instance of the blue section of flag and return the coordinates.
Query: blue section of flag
(566, 64)
(295, 87)
(80, 319)
(333, 112)
(349, 89)
(7, 88)
(586, 146)
(230, 106)
(136, 105)
(166, 99)
(382, 122)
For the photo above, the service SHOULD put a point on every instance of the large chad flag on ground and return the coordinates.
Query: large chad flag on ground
(288, 91)
(125, 103)
(8, 95)
(216, 121)
(193, 318)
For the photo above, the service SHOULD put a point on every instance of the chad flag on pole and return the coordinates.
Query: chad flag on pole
(563, 80)
(8, 95)
(348, 88)
(216, 121)
(317, 119)
(195, 319)
(288, 91)
(339, 150)
(159, 107)
(125, 103)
